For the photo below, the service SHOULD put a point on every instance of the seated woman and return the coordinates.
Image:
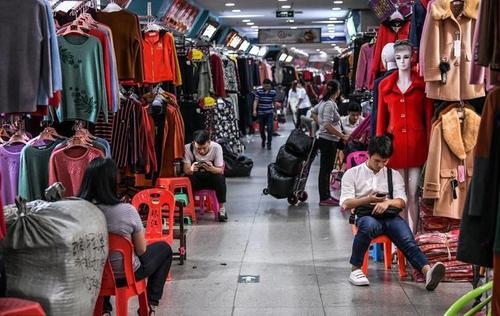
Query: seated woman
(153, 261)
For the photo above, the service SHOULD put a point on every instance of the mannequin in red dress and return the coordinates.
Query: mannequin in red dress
(406, 113)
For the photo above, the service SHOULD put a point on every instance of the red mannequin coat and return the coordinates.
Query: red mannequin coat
(408, 117)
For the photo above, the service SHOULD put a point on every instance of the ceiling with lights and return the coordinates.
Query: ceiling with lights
(248, 16)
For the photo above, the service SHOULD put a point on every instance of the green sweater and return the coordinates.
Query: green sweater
(84, 88)
(34, 171)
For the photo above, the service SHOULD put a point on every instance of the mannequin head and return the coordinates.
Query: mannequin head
(388, 58)
(402, 53)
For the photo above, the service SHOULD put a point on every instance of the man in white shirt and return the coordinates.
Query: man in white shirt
(204, 164)
(368, 185)
(299, 98)
(353, 120)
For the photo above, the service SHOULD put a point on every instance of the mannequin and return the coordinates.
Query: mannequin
(406, 113)
(389, 61)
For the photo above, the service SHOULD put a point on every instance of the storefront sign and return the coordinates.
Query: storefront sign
(288, 36)
(285, 14)
(181, 16)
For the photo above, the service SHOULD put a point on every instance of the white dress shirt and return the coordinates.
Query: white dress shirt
(361, 181)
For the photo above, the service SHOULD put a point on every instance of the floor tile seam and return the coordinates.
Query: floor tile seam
(408, 296)
(245, 252)
(314, 261)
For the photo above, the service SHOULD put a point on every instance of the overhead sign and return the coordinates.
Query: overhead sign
(285, 14)
(289, 36)
(180, 16)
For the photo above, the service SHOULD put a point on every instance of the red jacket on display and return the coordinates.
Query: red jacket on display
(159, 58)
(408, 117)
(385, 36)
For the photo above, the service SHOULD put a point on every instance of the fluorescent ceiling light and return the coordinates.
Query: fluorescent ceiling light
(293, 27)
(336, 8)
(318, 50)
(338, 2)
(286, 6)
(282, 0)
(246, 21)
(242, 16)
(236, 10)
(327, 22)
(330, 25)
(250, 23)
(67, 5)
(290, 21)
(333, 19)
(230, 4)
(254, 27)
(289, 59)
(284, 45)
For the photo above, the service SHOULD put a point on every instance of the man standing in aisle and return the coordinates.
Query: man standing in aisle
(204, 164)
(263, 109)
(376, 194)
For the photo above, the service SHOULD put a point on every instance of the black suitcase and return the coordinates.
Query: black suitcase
(278, 185)
(299, 143)
(287, 163)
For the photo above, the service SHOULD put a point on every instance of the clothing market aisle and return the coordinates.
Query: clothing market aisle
(301, 255)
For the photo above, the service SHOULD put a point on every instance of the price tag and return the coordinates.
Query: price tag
(461, 173)
(457, 48)
(197, 54)
(209, 102)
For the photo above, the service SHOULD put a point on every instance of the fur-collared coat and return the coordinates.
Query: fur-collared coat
(408, 117)
(451, 146)
(438, 37)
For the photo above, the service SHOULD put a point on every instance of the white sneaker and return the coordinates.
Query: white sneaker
(358, 278)
(434, 276)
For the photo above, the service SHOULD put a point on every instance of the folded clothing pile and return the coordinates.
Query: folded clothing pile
(442, 247)
(429, 223)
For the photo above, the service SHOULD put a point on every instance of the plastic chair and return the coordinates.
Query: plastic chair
(469, 298)
(10, 306)
(159, 201)
(124, 246)
(383, 239)
(207, 199)
(173, 184)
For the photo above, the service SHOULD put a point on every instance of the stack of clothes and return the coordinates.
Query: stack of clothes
(442, 247)
(430, 223)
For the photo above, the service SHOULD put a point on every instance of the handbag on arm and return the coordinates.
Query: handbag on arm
(367, 210)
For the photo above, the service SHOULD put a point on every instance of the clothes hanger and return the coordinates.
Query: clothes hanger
(112, 7)
(74, 28)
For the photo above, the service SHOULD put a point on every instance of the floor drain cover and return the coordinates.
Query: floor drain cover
(249, 279)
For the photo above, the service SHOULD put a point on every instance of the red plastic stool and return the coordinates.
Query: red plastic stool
(173, 184)
(10, 306)
(383, 239)
(207, 199)
(133, 288)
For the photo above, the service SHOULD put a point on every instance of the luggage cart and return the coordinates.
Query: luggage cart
(298, 192)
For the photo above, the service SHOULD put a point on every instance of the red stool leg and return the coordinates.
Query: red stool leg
(388, 254)
(143, 304)
(121, 303)
(99, 306)
(401, 264)
(364, 268)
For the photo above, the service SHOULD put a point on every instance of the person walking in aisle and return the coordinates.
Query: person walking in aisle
(151, 261)
(298, 96)
(327, 116)
(263, 109)
(204, 164)
(379, 190)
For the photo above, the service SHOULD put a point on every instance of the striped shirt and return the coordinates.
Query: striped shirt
(265, 101)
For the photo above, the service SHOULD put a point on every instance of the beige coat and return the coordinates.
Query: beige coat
(438, 37)
(451, 145)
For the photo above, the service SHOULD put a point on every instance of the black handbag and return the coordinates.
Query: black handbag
(367, 210)
(287, 163)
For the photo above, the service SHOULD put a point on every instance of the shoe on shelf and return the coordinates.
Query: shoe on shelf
(222, 214)
(358, 278)
(434, 276)
(329, 202)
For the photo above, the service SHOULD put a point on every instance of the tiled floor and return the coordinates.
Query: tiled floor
(301, 254)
